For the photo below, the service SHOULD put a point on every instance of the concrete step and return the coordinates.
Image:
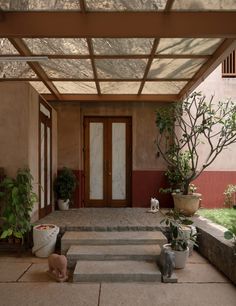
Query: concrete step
(111, 238)
(116, 271)
(112, 252)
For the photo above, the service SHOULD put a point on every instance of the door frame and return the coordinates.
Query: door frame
(43, 211)
(107, 183)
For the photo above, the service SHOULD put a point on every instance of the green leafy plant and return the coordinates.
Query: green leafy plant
(230, 193)
(175, 222)
(184, 126)
(65, 184)
(231, 234)
(19, 199)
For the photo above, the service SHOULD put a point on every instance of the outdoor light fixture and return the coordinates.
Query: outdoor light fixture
(23, 58)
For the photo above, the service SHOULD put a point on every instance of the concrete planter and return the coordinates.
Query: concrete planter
(63, 204)
(187, 204)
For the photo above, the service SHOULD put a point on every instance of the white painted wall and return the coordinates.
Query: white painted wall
(222, 89)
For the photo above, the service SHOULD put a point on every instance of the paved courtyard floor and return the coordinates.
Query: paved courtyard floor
(24, 282)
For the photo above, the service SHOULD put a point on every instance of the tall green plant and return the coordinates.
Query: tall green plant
(65, 184)
(184, 126)
(19, 200)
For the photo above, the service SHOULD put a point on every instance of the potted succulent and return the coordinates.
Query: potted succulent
(182, 128)
(64, 186)
(19, 200)
(179, 239)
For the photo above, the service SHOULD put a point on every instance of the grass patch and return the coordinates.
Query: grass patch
(222, 216)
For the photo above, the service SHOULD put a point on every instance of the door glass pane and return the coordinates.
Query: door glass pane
(48, 166)
(118, 161)
(96, 161)
(42, 164)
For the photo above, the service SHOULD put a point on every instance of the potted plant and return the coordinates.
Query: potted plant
(230, 199)
(182, 128)
(18, 200)
(64, 187)
(179, 239)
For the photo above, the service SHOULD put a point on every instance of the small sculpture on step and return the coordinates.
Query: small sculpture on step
(57, 265)
(167, 263)
(154, 205)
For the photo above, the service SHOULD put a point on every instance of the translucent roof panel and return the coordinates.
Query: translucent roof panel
(119, 87)
(122, 45)
(121, 68)
(203, 46)
(163, 87)
(201, 5)
(76, 87)
(40, 87)
(57, 45)
(68, 68)
(174, 68)
(31, 5)
(126, 5)
(6, 47)
(16, 70)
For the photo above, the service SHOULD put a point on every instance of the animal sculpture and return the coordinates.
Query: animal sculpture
(57, 265)
(167, 262)
(154, 205)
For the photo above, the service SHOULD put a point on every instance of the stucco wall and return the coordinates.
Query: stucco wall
(222, 89)
(70, 131)
(14, 116)
(19, 111)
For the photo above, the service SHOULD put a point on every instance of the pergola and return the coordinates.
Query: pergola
(114, 50)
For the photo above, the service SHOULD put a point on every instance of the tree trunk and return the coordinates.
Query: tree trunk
(186, 188)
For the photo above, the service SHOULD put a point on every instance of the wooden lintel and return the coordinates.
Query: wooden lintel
(119, 24)
(113, 98)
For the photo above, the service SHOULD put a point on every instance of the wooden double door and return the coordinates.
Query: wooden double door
(108, 157)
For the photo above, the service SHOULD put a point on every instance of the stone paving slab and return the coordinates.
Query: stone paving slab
(104, 219)
(200, 273)
(36, 273)
(116, 271)
(167, 294)
(11, 272)
(49, 294)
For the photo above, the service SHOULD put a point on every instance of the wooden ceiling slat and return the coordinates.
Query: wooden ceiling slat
(24, 51)
(149, 63)
(91, 53)
(119, 24)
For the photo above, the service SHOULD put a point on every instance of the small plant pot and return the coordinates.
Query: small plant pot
(181, 257)
(63, 204)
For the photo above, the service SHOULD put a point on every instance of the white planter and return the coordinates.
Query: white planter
(44, 237)
(63, 204)
(180, 256)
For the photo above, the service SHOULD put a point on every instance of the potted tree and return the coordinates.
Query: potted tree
(179, 239)
(64, 187)
(18, 199)
(182, 128)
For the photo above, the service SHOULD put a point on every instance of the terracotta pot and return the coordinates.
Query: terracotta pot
(187, 204)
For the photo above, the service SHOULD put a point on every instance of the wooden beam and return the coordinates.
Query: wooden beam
(217, 58)
(149, 63)
(82, 6)
(113, 98)
(119, 24)
(90, 47)
(24, 51)
(169, 5)
(116, 56)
